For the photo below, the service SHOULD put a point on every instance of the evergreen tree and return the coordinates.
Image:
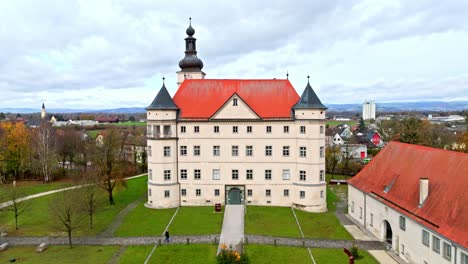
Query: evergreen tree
(2, 116)
(362, 125)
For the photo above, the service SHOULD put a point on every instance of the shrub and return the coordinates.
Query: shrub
(354, 251)
(229, 256)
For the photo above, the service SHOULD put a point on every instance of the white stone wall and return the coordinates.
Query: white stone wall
(410, 238)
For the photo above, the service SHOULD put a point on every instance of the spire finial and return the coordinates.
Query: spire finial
(287, 75)
(163, 78)
(190, 21)
(308, 77)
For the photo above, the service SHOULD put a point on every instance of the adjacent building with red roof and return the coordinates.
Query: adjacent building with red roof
(235, 141)
(416, 199)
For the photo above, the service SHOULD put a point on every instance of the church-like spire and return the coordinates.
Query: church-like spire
(309, 100)
(163, 100)
(191, 62)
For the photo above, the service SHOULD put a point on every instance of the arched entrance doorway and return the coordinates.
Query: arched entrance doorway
(388, 233)
(234, 196)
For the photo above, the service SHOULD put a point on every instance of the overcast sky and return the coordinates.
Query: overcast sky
(110, 54)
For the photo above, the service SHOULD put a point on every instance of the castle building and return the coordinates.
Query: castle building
(235, 141)
(368, 110)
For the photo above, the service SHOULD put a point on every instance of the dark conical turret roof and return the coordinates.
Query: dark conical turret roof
(162, 101)
(309, 100)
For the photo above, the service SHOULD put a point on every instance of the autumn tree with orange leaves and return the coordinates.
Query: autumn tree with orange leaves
(14, 149)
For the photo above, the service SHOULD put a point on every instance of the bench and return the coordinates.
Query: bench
(338, 182)
(41, 248)
(3, 246)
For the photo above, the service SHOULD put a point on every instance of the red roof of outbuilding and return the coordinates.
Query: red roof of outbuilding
(200, 99)
(445, 210)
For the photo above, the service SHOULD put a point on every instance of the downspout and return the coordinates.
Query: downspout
(455, 254)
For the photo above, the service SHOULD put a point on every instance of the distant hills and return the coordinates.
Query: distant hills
(381, 107)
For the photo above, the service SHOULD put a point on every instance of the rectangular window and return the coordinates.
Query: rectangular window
(371, 219)
(267, 174)
(447, 251)
(286, 192)
(149, 132)
(436, 244)
(249, 174)
(198, 192)
(322, 129)
(322, 152)
(267, 192)
(183, 150)
(167, 130)
(183, 192)
(235, 151)
(302, 175)
(402, 249)
(197, 174)
(352, 207)
(234, 102)
(285, 151)
(216, 192)
(402, 223)
(249, 151)
(249, 129)
(216, 150)
(156, 131)
(196, 150)
(322, 175)
(303, 129)
(249, 192)
(149, 192)
(167, 194)
(286, 174)
(425, 238)
(196, 129)
(167, 175)
(464, 258)
(303, 152)
(216, 129)
(286, 129)
(167, 151)
(150, 174)
(268, 129)
(321, 194)
(183, 129)
(235, 174)
(149, 151)
(268, 150)
(183, 174)
(216, 174)
(235, 129)
(360, 212)
(302, 194)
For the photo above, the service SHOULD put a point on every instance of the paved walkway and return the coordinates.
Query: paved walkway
(233, 226)
(29, 197)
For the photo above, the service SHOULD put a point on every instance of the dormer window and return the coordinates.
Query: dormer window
(234, 102)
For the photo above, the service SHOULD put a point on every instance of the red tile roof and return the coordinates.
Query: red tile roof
(200, 99)
(445, 210)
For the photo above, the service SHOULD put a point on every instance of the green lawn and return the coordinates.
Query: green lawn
(184, 254)
(93, 133)
(197, 220)
(268, 254)
(151, 222)
(334, 255)
(60, 254)
(135, 254)
(129, 123)
(36, 221)
(321, 225)
(31, 187)
(271, 221)
(334, 123)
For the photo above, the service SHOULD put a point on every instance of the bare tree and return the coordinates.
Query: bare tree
(332, 155)
(67, 213)
(17, 207)
(44, 145)
(90, 197)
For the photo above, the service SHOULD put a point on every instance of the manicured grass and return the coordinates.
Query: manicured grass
(31, 187)
(268, 254)
(334, 255)
(271, 221)
(135, 254)
(321, 225)
(197, 220)
(334, 123)
(129, 124)
(59, 254)
(93, 133)
(37, 221)
(151, 222)
(181, 254)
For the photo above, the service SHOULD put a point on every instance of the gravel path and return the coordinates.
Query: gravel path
(109, 232)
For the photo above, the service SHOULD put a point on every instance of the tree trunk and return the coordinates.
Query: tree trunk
(70, 238)
(16, 221)
(91, 220)
(111, 198)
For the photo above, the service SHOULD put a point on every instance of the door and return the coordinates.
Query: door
(234, 196)
(363, 154)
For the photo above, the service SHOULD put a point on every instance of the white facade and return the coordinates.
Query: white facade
(412, 241)
(277, 162)
(368, 110)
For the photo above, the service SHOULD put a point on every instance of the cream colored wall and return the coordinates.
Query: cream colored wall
(411, 238)
(183, 75)
(241, 111)
(309, 114)
(156, 115)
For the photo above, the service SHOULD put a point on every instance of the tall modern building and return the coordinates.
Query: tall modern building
(235, 141)
(368, 110)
